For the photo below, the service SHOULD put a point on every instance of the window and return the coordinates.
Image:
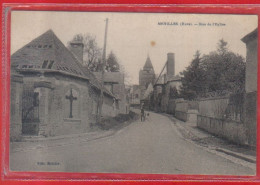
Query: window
(44, 65)
(40, 46)
(51, 64)
(136, 95)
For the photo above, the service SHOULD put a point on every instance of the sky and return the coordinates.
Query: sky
(134, 36)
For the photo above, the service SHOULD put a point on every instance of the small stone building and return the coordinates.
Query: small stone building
(251, 40)
(115, 83)
(52, 93)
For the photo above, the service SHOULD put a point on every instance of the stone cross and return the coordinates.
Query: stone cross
(71, 98)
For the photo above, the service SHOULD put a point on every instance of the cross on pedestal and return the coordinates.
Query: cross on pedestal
(71, 98)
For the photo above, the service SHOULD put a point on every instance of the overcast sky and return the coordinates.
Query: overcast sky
(130, 34)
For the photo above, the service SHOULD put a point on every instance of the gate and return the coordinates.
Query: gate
(30, 112)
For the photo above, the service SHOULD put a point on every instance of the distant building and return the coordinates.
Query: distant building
(114, 82)
(251, 40)
(135, 94)
(165, 85)
(52, 93)
(146, 76)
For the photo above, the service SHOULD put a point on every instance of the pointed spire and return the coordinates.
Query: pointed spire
(148, 64)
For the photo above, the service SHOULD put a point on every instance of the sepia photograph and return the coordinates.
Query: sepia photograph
(139, 93)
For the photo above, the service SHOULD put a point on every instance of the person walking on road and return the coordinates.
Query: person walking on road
(142, 113)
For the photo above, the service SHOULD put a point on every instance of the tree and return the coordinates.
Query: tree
(219, 71)
(222, 47)
(91, 53)
(112, 64)
(225, 70)
(193, 79)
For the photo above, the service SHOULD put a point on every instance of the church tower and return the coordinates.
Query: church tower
(146, 75)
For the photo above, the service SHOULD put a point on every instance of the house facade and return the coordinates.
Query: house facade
(52, 93)
(250, 121)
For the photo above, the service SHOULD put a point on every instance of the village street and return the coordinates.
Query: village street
(153, 146)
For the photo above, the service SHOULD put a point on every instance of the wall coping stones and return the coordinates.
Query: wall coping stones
(45, 84)
(17, 78)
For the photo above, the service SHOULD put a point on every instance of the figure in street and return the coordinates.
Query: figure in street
(142, 112)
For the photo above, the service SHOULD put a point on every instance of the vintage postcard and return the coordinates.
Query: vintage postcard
(143, 93)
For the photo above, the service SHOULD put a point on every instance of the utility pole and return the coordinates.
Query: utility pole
(102, 75)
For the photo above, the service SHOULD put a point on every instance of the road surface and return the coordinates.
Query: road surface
(154, 146)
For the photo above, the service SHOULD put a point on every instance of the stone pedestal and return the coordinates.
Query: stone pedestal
(192, 115)
(43, 88)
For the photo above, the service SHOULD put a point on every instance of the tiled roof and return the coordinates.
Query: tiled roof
(46, 52)
(250, 36)
(96, 82)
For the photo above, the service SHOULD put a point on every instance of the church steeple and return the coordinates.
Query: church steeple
(148, 64)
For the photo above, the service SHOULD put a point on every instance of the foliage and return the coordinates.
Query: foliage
(220, 70)
(112, 63)
(92, 54)
(193, 80)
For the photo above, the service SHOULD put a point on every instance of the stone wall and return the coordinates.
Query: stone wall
(213, 107)
(16, 107)
(212, 118)
(59, 106)
(251, 117)
(228, 129)
(186, 110)
(171, 107)
(55, 115)
(110, 107)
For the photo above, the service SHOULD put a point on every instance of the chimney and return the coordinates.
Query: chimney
(170, 67)
(77, 49)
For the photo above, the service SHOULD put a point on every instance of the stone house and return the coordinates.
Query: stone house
(51, 92)
(115, 83)
(251, 41)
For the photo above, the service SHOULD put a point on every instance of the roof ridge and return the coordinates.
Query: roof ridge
(57, 41)
(32, 41)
